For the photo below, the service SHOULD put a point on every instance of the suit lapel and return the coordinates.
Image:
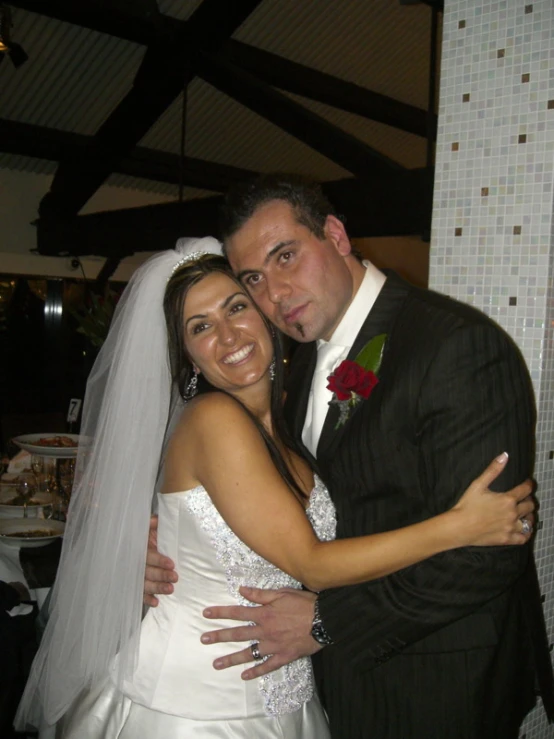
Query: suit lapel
(380, 320)
(298, 388)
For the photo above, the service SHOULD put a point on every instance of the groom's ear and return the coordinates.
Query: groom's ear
(336, 233)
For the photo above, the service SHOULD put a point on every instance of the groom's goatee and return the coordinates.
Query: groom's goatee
(300, 329)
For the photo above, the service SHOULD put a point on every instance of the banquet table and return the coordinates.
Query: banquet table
(35, 568)
(28, 559)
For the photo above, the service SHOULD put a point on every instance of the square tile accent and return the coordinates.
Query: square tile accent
(455, 146)
(461, 24)
(497, 190)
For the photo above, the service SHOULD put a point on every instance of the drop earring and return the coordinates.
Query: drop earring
(272, 370)
(191, 389)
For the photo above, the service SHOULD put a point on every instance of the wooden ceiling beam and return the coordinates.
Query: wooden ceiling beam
(107, 271)
(167, 67)
(41, 142)
(438, 4)
(331, 141)
(325, 88)
(137, 25)
(124, 232)
(271, 68)
(396, 205)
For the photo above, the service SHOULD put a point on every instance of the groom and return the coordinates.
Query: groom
(453, 647)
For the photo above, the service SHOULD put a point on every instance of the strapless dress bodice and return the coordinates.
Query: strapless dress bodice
(174, 672)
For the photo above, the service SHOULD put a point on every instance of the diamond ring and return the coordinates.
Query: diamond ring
(526, 527)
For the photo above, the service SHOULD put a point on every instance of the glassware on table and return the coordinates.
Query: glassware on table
(25, 488)
(37, 465)
(66, 475)
(49, 480)
(60, 487)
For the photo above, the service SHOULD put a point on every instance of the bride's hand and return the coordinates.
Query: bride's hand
(495, 519)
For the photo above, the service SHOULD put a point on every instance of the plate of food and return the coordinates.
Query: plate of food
(29, 532)
(11, 503)
(63, 446)
(9, 480)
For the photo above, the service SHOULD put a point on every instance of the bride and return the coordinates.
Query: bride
(238, 506)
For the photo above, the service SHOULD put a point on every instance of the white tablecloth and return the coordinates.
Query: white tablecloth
(11, 571)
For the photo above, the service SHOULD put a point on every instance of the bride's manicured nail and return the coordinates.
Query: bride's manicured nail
(218, 664)
(502, 458)
(206, 612)
(206, 639)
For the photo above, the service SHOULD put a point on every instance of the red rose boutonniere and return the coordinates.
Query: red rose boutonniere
(355, 380)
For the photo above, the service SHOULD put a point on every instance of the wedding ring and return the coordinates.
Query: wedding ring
(526, 527)
(254, 648)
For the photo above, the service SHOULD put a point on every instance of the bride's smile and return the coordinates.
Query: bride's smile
(239, 356)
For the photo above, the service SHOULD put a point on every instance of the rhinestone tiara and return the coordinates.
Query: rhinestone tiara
(193, 256)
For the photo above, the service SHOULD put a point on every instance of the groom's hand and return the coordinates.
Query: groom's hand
(282, 627)
(160, 571)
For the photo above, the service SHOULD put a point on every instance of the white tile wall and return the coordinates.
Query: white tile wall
(493, 228)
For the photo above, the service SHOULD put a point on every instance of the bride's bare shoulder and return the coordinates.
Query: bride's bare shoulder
(211, 412)
(208, 423)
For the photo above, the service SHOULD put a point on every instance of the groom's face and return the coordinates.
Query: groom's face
(303, 284)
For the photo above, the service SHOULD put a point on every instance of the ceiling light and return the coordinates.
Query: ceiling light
(7, 46)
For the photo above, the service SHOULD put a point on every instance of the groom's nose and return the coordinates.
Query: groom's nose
(277, 288)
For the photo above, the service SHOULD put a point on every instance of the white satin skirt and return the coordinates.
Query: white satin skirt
(108, 714)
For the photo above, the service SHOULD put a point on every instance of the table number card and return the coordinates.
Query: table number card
(74, 408)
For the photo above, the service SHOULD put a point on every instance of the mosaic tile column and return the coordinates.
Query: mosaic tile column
(493, 227)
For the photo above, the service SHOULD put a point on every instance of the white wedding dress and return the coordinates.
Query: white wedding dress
(175, 691)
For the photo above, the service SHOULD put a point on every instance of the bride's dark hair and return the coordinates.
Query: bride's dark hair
(185, 277)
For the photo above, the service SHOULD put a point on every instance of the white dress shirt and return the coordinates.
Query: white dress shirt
(331, 353)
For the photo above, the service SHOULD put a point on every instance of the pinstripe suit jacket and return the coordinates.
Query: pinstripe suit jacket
(450, 647)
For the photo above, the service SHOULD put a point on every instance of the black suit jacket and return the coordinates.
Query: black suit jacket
(449, 647)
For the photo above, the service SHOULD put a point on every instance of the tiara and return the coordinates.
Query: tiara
(192, 257)
(185, 246)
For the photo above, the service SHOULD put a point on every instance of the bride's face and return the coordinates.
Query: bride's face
(225, 336)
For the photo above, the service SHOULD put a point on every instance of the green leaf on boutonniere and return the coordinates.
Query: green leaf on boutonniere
(371, 355)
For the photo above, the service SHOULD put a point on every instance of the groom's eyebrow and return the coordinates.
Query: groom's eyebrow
(270, 254)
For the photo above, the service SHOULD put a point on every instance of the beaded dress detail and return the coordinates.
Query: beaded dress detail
(285, 690)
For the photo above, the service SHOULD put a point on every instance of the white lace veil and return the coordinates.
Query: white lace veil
(97, 598)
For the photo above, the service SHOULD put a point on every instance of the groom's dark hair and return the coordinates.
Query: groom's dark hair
(310, 205)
